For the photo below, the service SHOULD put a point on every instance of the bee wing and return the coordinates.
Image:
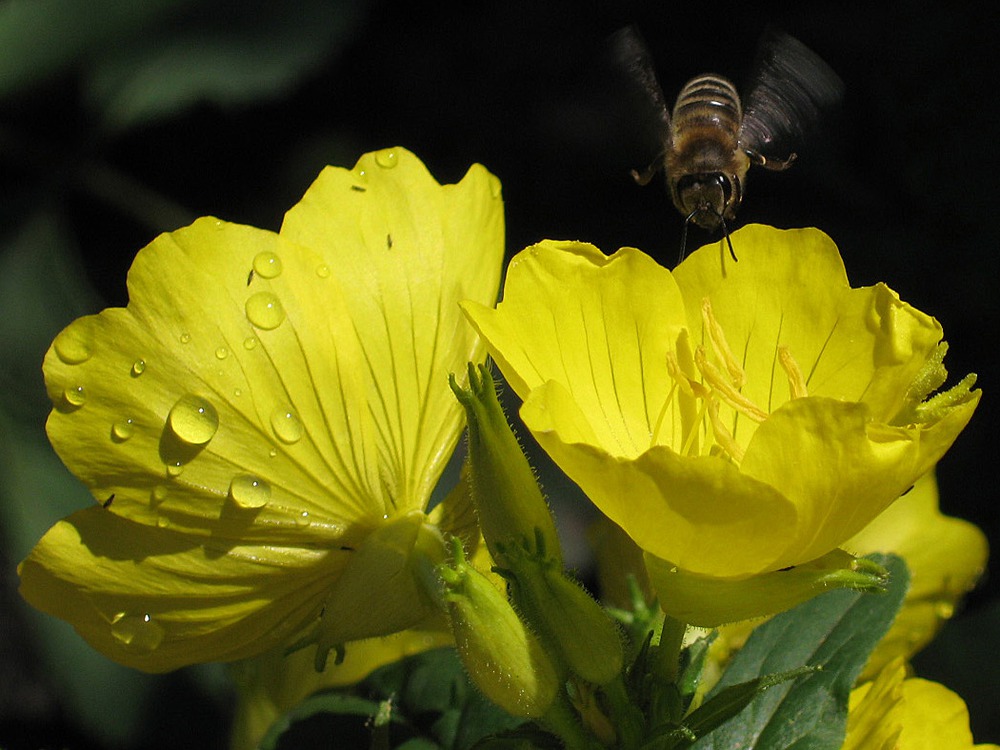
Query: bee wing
(790, 89)
(631, 58)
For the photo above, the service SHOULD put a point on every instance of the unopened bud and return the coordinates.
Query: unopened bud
(567, 618)
(508, 500)
(503, 657)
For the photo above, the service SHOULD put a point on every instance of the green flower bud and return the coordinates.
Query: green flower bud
(509, 502)
(503, 657)
(567, 618)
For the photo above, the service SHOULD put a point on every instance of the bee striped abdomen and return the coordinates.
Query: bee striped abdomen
(708, 100)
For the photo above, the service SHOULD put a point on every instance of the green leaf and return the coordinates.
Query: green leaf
(322, 717)
(432, 691)
(218, 55)
(836, 632)
(41, 38)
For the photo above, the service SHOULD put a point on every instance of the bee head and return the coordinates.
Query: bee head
(707, 198)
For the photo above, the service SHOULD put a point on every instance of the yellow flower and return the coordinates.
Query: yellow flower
(896, 713)
(265, 422)
(734, 419)
(945, 555)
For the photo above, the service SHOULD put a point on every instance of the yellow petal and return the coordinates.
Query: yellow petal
(412, 250)
(895, 713)
(945, 556)
(790, 289)
(600, 326)
(698, 512)
(197, 419)
(155, 600)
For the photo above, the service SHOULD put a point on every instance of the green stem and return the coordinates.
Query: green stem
(563, 722)
(628, 720)
(669, 651)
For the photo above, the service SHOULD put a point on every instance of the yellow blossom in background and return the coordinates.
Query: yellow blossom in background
(945, 556)
(898, 713)
(735, 420)
(263, 425)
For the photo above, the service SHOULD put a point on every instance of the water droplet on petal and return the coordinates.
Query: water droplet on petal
(122, 430)
(221, 353)
(75, 343)
(175, 469)
(185, 338)
(249, 492)
(302, 519)
(138, 368)
(158, 495)
(265, 311)
(387, 158)
(323, 271)
(137, 632)
(193, 419)
(267, 265)
(250, 342)
(273, 452)
(75, 396)
(286, 425)
(238, 392)
(162, 522)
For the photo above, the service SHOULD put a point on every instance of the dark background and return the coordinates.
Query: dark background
(117, 123)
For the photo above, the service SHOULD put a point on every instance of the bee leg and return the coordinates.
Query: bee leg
(725, 232)
(643, 177)
(776, 165)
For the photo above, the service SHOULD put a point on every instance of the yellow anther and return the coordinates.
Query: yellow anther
(737, 375)
(724, 390)
(796, 382)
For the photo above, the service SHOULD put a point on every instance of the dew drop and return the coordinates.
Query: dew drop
(286, 425)
(193, 419)
(267, 265)
(158, 495)
(250, 342)
(387, 159)
(264, 310)
(162, 522)
(273, 452)
(302, 519)
(175, 469)
(185, 338)
(122, 430)
(238, 392)
(140, 633)
(138, 368)
(249, 492)
(323, 271)
(75, 343)
(75, 396)
(944, 610)
(221, 353)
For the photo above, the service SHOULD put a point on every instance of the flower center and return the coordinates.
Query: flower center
(714, 378)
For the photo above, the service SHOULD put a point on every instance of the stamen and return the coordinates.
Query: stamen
(722, 436)
(722, 388)
(796, 383)
(720, 346)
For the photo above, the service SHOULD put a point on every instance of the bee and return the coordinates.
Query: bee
(713, 136)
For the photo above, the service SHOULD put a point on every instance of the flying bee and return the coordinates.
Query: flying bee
(712, 137)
